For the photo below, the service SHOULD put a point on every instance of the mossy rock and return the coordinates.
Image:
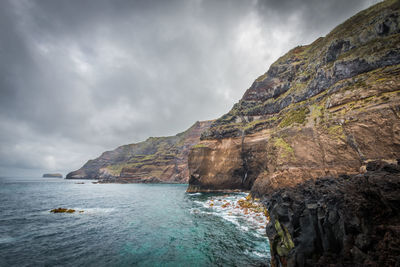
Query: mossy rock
(62, 210)
(199, 145)
(294, 116)
(287, 150)
(283, 242)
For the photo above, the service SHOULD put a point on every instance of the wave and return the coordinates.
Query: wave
(195, 194)
(227, 207)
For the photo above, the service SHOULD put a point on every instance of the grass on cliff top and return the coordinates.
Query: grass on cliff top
(355, 24)
(377, 47)
(307, 59)
(297, 54)
(261, 78)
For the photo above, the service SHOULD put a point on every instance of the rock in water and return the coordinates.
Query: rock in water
(62, 210)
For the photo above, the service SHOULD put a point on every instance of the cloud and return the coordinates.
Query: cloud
(81, 77)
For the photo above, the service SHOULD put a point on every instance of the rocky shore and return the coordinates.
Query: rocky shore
(317, 138)
(346, 221)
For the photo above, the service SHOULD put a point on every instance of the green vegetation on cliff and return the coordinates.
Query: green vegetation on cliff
(368, 41)
(156, 159)
(302, 138)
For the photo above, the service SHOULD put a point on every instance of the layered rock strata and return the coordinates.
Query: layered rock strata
(327, 108)
(305, 137)
(156, 160)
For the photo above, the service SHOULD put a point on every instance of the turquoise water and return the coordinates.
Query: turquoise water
(122, 225)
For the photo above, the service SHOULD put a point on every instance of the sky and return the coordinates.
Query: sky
(79, 77)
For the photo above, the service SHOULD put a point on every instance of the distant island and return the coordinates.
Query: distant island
(52, 175)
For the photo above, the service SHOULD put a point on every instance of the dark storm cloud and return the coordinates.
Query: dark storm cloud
(81, 77)
(313, 16)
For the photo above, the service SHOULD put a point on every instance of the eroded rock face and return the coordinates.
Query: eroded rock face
(350, 220)
(327, 108)
(156, 160)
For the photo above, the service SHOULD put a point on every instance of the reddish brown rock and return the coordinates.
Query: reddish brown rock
(156, 160)
(327, 108)
(306, 137)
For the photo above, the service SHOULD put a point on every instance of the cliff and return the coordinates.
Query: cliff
(158, 159)
(327, 108)
(317, 138)
(345, 221)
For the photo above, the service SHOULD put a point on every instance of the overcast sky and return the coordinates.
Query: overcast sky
(80, 77)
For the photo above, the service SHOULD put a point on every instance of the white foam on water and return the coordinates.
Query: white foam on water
(259, 254)
(195, 211)
(201, 203)
(254, 222)
(95, 210)
(245, 220)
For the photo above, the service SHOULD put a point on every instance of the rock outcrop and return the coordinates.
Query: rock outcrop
(345, 221)
(323, 109)
(306, 137)
(156, 160)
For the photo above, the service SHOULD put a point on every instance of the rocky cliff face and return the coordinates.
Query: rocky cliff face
(327, 108)
(345, 221)
(158, 159)
(304, 136)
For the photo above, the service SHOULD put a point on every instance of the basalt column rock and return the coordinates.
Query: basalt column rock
(345, 221)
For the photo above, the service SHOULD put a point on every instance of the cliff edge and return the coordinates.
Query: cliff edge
(338, 221)
(317, 138)
(323, 109)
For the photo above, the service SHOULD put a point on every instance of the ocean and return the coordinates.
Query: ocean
(123, 225)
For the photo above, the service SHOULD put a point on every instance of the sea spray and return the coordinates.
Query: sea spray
(237, 208)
